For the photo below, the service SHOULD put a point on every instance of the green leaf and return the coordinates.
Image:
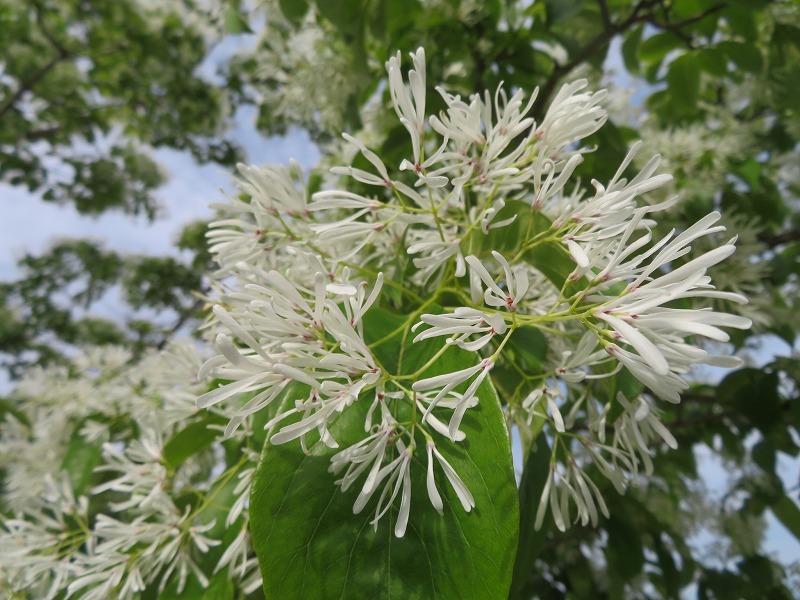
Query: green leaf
(190, 440)
(346, 15)
(713, 62)
(294, 10)
(746, 56)
(742, 23)
(755, 395)
(530, 345)
(655, 48)
(788, 513)
(764, 455)
(561, 10)
(630, 49)
(750, 172)
(80, 461)
(670, 577)
(234, 23)
(624, 552)
(311, 545)
(683, 82)
(548, 256)
(531, 540)
(220, 587)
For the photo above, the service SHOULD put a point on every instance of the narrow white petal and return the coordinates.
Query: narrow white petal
(433, 493)
(461, 490)
(405, 502)
(646, 349)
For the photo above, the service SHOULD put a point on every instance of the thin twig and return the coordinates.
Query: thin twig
(28, 84)
(184, 316)
(60, 54)
(776, 239)
(610, 29)
(641, 13)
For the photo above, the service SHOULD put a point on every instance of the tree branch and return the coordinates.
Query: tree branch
(184, 316)
(642, 12)
(605, 14)
(610, 29)
(27, 84)
(39, 10)
(675, 27)
(45, 133)
(670, 25)
(776, 239)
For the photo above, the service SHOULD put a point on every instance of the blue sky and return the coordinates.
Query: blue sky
(30, 224)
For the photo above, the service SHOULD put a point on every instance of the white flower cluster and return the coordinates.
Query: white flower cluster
(300, 71)
(479, 231)
(96, 510)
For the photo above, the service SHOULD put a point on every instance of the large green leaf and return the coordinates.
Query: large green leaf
(220, 587)
(531, 540)
(294, 10)
(311, 545)
(80, 460)
(656, 47)
(548, 256)
(683, 83)
(788, 513)
(190, 440)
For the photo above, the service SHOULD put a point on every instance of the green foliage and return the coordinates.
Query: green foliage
(80, 461)
(190, 440)
(89, 88)
(73, 276)
(219, 588)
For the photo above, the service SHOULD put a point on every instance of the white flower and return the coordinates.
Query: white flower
(565, 486)
(285, 328)
(516, 284)
(398, 477)
(637, 427)
(573, 362)
(461, 490)
(365, 454)
(462, 324)
(487, 217)
(435, 252)
(235, 555)
(360, 174)
(572, 115)
(550, 395)
(655, 333)
(409, 102)
(448, 382)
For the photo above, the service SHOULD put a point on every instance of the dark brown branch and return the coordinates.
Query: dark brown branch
(776, 239)
(642, 12)
(39, 10)
(602, 39)
(28, 84)
(184, 316)
(44, 133)
(605, 14)
(675, 27)
(60, 54)
(671, 25)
